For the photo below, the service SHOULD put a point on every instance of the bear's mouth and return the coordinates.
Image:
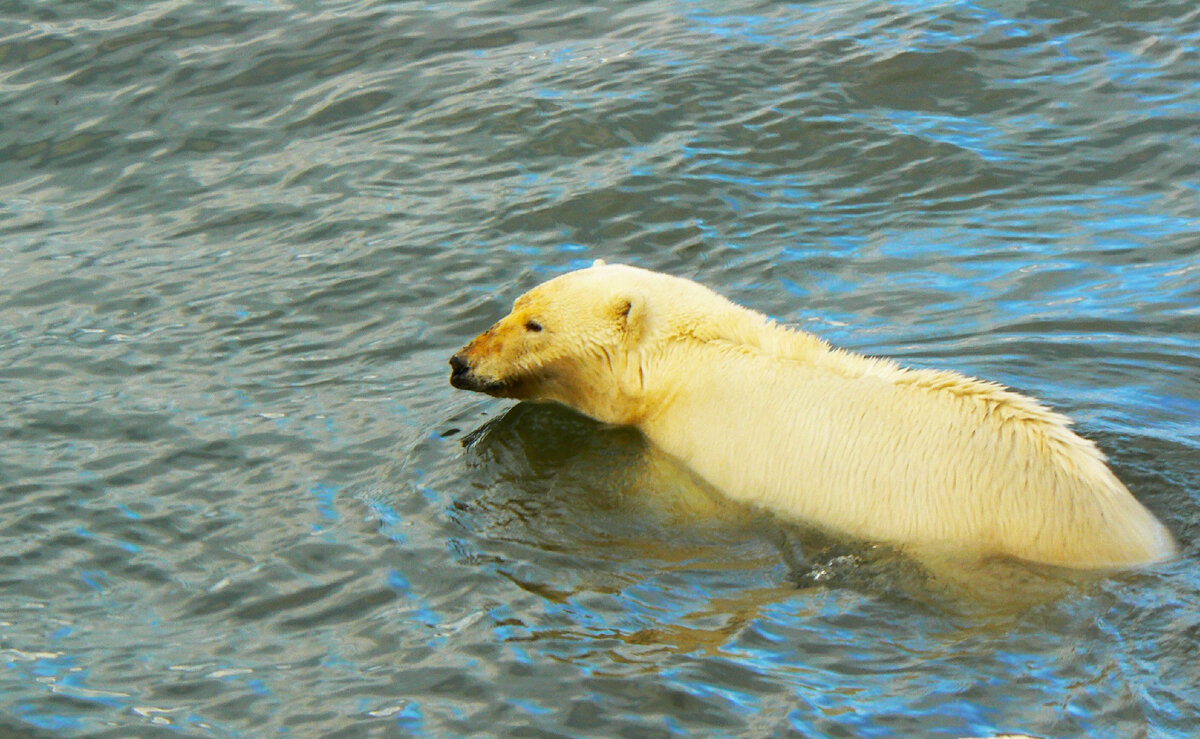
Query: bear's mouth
(495, 388)
(469, 381)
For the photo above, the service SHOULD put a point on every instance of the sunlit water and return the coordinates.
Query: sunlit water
(239, 241)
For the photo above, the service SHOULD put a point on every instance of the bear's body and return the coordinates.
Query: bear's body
(778, 418)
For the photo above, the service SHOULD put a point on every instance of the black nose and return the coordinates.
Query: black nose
(458, 365)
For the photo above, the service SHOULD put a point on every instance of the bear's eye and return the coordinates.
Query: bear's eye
(533, 326)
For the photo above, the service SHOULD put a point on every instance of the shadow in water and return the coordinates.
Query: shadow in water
(560, 481)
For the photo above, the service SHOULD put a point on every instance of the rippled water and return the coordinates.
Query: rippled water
(239, 240)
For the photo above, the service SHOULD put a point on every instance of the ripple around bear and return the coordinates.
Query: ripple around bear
(776, 417)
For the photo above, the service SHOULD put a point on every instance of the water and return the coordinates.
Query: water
(239, 241)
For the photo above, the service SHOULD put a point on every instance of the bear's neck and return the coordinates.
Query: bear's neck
(727, 409)
(746, 333)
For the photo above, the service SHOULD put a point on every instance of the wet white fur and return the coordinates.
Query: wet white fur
(778, 418)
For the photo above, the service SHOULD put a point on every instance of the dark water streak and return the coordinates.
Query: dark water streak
(239, 240)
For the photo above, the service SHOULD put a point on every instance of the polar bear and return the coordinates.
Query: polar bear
(778, 418)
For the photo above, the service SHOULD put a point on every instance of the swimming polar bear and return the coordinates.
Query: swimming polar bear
(778, 418)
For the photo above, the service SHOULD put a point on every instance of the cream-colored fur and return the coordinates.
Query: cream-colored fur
(777, 417)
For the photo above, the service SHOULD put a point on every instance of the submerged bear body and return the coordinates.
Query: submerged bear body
(778, 418)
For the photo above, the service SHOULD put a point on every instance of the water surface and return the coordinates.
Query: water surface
(239, 240)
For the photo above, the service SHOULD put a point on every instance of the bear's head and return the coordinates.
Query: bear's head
(595, 340)
(574, 339)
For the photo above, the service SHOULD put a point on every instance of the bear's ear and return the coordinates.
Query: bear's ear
(598, 263)
(630, 310)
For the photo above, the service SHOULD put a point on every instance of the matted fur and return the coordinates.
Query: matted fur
(778, 418)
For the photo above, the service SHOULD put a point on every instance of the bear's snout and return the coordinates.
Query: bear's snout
(460, 373)
(465, 377)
